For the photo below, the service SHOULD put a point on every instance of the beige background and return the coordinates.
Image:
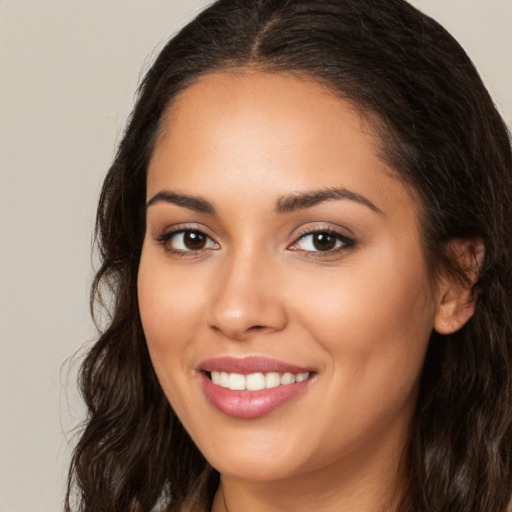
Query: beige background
(68, 73)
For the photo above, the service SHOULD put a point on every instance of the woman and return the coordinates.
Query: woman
(305, 231)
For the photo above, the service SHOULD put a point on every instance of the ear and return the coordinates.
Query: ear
(456, 300)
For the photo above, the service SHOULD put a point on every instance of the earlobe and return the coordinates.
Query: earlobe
(456, 302)
(453, 314)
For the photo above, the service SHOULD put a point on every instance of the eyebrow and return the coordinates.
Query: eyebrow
(285, 204)
(301, 201)
(191, 202)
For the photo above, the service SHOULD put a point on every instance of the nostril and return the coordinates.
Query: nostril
(256, 328)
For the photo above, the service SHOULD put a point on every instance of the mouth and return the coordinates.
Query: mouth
(255, 381)
(252, 387)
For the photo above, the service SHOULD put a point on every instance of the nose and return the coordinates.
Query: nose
(246, 299)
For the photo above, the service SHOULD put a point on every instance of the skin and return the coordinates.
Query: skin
(360, 315)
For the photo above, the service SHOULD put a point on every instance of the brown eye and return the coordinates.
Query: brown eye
(324, 241)
(187, 240)
(194, 240)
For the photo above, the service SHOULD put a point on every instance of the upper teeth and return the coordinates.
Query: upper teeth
(255, 381)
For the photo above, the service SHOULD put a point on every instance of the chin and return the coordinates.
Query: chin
(261, 458)
(254, 469)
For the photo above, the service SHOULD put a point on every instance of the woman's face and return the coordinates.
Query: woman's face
(280, 247)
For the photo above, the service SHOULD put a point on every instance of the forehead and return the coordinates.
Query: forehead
(276, 109)
(268, 134)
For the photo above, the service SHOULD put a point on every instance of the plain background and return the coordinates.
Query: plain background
(68, 74)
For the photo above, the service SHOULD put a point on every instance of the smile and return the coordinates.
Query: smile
(255, 381)
(252, 387)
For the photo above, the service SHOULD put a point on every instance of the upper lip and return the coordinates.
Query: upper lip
(251, 364)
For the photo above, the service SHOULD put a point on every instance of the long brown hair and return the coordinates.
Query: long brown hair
(442, 134)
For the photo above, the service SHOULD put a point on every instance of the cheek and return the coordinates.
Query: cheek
(170, 305)
(374, 319)
(373, 325)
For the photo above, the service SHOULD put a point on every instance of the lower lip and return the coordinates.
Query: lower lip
(250, 404)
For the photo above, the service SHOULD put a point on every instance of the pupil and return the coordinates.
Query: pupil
(194, 240)
(324, 241)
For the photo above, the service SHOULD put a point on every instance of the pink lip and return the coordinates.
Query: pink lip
(250, 404)
(250, 364)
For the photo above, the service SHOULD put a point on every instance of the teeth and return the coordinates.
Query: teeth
(301, 376)
(256, 381)
(287, 378)
(224, 379)
(236, 381)
(272, 380)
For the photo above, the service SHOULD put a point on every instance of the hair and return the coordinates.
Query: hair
(442, 134)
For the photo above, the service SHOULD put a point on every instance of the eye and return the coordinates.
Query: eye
(187, 240)
(322, 241)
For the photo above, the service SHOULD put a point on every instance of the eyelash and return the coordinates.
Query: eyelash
(165, 238)
(345, 242)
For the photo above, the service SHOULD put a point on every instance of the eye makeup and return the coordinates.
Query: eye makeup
(322, 241)
(314, 242)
